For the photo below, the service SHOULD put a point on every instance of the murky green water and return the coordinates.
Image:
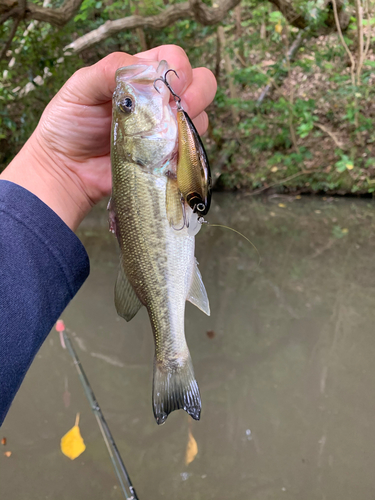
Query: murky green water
(287, 379)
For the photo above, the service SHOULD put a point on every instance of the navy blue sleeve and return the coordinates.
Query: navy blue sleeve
(42, 266)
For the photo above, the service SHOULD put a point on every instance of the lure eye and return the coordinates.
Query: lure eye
(126, 105)
(201, 207)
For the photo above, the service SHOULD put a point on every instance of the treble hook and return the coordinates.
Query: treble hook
(177, 98)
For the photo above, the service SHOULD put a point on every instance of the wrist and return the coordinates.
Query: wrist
(37, 169)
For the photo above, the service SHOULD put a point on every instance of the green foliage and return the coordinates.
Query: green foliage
(293, 134)
(345, 163)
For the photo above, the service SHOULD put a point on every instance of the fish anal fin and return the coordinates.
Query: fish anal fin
(175, 213)
(197, 294)
(126, 302)
(175, 388)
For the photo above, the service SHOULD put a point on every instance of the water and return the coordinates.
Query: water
(285, 366)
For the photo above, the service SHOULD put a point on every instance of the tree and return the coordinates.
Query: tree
(261, 51)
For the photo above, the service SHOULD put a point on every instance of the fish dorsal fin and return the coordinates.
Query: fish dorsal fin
(126, 302)
(197, 294)
(175, 212)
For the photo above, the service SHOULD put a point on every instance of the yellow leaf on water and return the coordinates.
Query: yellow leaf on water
(72, 444)
(191, 449)
(282, 205)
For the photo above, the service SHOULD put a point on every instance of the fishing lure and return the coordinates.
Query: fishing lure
(193, 170)
(193, 173)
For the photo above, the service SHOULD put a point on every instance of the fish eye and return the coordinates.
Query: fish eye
(126, 105)
(201, 207)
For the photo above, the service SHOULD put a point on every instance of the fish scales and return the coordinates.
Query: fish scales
(156, 259)
(157, 266)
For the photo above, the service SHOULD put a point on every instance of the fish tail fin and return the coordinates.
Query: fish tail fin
(175, 388)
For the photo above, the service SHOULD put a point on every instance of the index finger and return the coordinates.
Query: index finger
(95, 84)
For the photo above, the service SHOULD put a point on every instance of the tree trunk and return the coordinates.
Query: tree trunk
(228, 70)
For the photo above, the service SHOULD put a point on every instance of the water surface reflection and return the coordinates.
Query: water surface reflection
(287, 372)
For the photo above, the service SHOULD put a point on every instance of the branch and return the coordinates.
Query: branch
(19, 14)
(338, 27)
(16, 22)
(211, 15)
(287, 10)
(193, 9)
(8, 14)
(338, 143)
(299, 21)
(283, 181)
(57, 17)
(296, 45)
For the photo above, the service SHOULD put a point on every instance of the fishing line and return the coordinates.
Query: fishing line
(117, 462)
(235, 231)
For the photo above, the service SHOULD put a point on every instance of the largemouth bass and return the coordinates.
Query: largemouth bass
(157, 266)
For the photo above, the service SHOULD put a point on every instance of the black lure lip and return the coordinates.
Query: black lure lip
(194, 200)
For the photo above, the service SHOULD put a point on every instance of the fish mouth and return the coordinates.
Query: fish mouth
(146, 72)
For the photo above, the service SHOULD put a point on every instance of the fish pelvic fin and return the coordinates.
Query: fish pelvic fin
(126, 302)
(197, 294)
(175, 213)
(175, 388)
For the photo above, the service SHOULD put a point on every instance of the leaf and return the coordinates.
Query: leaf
(338, 232)
(7, 453)
(366, 22)
(369, 63)
(72, 444)
(4, 441)
(191, 449)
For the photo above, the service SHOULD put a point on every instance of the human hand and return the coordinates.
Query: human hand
(66, 162)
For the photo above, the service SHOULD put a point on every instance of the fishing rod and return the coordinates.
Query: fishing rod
(117, 462)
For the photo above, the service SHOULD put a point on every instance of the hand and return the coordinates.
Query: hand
(66, 162)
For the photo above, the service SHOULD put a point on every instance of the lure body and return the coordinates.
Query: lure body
(193, 170)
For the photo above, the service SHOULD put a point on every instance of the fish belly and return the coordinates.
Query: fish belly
(157, 260)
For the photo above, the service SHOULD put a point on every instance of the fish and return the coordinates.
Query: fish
(149, 216)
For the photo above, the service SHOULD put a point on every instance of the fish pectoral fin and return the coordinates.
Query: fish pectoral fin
(111, 216)
(175, 213)
(197, 294)
(175, 388)
(126, 302)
